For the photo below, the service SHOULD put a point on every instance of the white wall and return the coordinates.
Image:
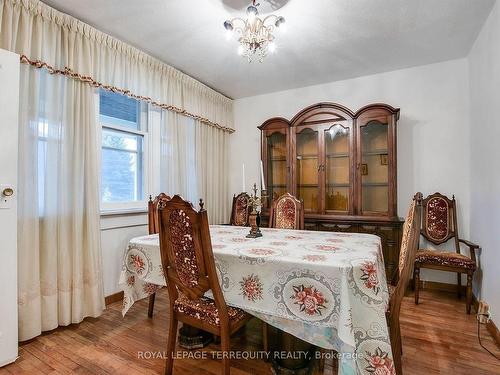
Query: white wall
(433, 131)
(484, 70)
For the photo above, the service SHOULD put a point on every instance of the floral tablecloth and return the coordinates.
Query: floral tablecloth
(326, 288)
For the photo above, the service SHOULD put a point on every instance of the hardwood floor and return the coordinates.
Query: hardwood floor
(438, 338)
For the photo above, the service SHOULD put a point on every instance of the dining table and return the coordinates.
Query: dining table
(328, 289)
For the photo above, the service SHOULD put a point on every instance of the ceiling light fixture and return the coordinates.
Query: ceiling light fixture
(255, 35)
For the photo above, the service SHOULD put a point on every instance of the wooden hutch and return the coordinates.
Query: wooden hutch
(342, 165)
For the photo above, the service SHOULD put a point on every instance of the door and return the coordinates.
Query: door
(9, 104)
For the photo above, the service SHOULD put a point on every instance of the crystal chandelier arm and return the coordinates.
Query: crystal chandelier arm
(271, 17)
(236, 21)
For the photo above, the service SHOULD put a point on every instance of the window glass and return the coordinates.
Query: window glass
(122, 161)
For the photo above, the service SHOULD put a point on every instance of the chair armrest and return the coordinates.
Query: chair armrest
(469, 244)
(472, 246)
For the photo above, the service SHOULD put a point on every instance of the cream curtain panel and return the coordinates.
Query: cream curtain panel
(177, 160)
(60, 278)
(193, 163)
(212, 156)
(51, 39)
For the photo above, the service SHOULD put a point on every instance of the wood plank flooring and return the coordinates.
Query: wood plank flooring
(438, 338)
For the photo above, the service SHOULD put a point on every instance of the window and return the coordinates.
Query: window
(124, 139)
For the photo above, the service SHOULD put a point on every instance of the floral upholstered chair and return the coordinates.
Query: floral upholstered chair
(439, 225)
(154, 228)
(189, 267)
(287, 213)
(409, 244)
(240, 212)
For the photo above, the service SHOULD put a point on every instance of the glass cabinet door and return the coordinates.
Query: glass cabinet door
(337, 168)
(374, 168)
(307, 168)
(277, 166)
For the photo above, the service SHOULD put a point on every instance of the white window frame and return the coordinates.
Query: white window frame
(108, 208)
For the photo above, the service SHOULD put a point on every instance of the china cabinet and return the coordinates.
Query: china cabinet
(342, 165)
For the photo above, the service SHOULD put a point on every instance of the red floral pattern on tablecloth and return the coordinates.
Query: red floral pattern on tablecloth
(370, 276)
(334, 240)
(314, 258)
(218, 246)
(131, 280)
(137, 263)
(310, 300)
(261, 251)
(326, 247)
(239, 240)
(251, 288)
(380, 363)
(293, 238)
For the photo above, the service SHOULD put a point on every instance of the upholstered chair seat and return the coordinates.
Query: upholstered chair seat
(204, 308)
(445, 258)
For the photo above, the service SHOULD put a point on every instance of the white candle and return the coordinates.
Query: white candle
(243, 179)
(262, 176)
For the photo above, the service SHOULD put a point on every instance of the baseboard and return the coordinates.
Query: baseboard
(113, 298)
(442, 287)
(493, 330)
(445, 287)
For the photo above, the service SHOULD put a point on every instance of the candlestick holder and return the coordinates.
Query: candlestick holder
(255, 202)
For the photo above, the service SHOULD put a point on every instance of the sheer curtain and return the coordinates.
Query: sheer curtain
(212, 171)
(194, 163)
(60, 280)
(177, 160)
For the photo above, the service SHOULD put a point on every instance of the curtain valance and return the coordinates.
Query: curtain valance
(47, 38)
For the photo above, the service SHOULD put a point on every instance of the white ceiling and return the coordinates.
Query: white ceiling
(326, 40)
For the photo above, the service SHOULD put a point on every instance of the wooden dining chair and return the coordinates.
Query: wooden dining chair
(409, 244)
(287, 212)
(189, 266)
(240, 212)
(154, 228)
(439, 225)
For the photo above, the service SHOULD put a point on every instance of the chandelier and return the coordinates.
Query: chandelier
(254, 34)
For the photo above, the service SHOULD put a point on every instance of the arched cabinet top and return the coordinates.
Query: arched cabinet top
(377, 109)
(326, 112)
(275, 123)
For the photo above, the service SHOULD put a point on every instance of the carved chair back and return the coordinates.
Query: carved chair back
(186, 252)
(240, 211)
(154, 226)
(287, 212)
(439, 219)
(409, 244)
